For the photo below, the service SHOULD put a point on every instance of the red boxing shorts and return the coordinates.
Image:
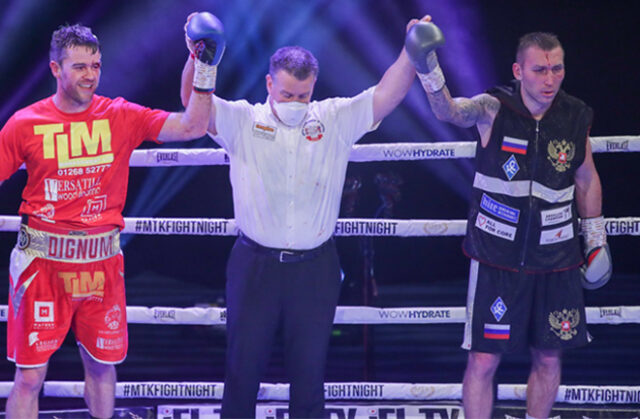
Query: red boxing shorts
(46, 297)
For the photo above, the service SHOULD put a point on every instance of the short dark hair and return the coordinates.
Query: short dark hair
(297, 61)
(546, 41)
(67, 36)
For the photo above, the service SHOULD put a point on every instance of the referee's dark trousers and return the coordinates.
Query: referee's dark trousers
(268, 288)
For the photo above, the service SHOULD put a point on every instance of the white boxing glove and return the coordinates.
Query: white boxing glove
(598, 265)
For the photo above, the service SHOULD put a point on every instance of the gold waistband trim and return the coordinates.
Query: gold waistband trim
(76, 248)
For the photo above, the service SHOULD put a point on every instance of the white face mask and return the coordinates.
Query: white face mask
(290, 113)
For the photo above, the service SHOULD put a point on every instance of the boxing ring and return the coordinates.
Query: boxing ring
(382, 399)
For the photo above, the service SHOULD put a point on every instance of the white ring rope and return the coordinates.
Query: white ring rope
(362, 152)
(378, 227)
(210, 316)
(578, 394)
(165, 157)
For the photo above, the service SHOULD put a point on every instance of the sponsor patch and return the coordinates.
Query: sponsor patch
(563, 323)
(497, 331)
(46, 213)
(511, 167)
(606, 312)
(556, 235)
(499, 209)
(496, 228)
(90, 146)
(313, 130)
(46, 345)
(166, 156)
(65, 190)
(498, 308)
(264, 131)
(109, 343)
(561, 152)
(43, 311)
(51, 189)
(164, 314)
(514, 145)
(93, 209)
(618, 145)
(555, 216)
(113, 317)
(84, 284)
(24, 239)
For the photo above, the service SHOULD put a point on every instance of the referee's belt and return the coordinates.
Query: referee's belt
(284, 255)
(75, 246)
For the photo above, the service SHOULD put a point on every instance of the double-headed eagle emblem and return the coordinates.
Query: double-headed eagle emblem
(563, 323)
(561, 152)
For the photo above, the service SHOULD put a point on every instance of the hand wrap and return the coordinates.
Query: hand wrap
(420, 43)
(598, 265)
(208, 34)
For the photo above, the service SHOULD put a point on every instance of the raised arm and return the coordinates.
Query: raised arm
(461, 111)
(186, 88)
(205, 38)
(393, 87)
(421, 42)
(395, 82)
(190, 124)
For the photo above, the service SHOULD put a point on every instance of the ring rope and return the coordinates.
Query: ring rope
(378, 227)
(166, 157)
(210, 316)
(575, 394)
(363, 152)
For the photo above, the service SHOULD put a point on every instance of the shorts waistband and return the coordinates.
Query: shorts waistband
(284, 255)
(38, 224)
(79, 247)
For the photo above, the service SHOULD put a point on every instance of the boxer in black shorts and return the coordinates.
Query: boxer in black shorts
(511, 311)
(534, 177)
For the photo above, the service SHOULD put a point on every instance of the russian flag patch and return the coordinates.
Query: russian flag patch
(497, 331)
(514, 145)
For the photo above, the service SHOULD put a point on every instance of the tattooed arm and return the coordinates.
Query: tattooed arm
(479, 110)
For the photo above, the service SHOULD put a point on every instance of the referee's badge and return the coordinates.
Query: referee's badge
(264, 131)
(313, 130)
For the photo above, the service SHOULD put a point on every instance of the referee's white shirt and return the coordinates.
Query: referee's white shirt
(287, 181)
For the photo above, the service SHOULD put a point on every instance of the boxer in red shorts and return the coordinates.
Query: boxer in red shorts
(66, 270)
(86, 294)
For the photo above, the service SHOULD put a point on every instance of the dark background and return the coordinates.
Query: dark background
(354, 41)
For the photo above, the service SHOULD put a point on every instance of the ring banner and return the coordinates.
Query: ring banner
(341, 391)
(373, 227)
(209, 316)
(390, 151)
(333, 411)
